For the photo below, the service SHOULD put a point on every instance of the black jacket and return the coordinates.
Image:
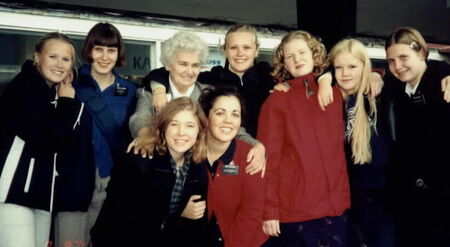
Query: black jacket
(369, 183)
(135, 212)
(254, 87)
(422, 164)
(76, 180)
(37, 127)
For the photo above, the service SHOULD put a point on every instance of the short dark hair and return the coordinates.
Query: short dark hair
(210, 95)
(104, 34)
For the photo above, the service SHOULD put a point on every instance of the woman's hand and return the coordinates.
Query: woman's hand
(281, 87)
(376, 84)
(138, 147)
(194, 210)
(65, 88)
(257, 159)
(159, 99)
(325, 93)
(272, 228)
(445, 85)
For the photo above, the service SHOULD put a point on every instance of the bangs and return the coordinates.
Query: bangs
(107, 38)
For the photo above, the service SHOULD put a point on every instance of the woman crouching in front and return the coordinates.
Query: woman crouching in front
(159, 201)
(235, 198)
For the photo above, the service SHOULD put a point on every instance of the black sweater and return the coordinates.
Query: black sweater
(254, 87)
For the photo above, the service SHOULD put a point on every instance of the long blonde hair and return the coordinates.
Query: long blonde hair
(360, 133)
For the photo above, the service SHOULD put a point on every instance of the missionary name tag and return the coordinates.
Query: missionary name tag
(120, 91)
(230, 169)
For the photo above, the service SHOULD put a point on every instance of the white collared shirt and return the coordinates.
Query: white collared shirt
(176, 94)
(409, 90)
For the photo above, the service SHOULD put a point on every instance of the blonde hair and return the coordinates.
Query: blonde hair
(318, 53)
(360, 133)
(56, 36)
(241, 28)
(155, 138)
(408, 36)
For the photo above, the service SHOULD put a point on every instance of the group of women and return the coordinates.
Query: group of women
(364, 171)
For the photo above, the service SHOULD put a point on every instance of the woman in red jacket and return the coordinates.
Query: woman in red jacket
(235, 198)
(307, 190)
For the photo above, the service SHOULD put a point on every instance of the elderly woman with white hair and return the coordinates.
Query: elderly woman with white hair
(183, 55)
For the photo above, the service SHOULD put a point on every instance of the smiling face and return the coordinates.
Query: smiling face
(181, 133)
(348, 72)
(241, 51)
(184, 69)
(55, 60)
(224, 119)
(104, 59)
(405, 63)
(298, 58)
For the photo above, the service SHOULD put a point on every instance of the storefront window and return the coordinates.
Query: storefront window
(17, 46)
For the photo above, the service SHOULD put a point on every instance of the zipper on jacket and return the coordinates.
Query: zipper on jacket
(55, 173)
(29, 175)
(55, 102)
(78, 121)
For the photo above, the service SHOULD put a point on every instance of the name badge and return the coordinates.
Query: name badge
(230, 169)
(418, 98)
(120, 91)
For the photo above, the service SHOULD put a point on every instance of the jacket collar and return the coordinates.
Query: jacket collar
(163, 162)
(38, 82)
(303, 80)
(86, 78)
(250, 75)
(227, 157)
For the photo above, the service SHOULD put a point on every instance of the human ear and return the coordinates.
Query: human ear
(36, 56)
(168, 67)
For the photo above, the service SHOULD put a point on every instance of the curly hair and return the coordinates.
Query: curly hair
(154, 139)
(183, 42)
(317, 48)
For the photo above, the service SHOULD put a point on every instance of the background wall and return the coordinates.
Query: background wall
(373, 17)
(267, 12)
(380, 17)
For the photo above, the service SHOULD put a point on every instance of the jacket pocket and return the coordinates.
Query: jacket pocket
(29, 175)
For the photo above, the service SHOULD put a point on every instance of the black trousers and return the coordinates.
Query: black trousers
(328, 231)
